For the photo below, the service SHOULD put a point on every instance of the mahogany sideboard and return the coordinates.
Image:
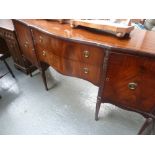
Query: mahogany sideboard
(123, 69)
(9, 44)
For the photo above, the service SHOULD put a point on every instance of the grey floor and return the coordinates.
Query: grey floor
(67, 108)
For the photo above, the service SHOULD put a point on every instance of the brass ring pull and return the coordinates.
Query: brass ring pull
(44, 53)
(86, 70)
(132, 85)
(86, 54)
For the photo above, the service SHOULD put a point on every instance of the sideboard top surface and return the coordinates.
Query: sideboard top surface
(139, 40)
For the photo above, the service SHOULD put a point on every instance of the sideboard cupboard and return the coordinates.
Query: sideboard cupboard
(122, 68)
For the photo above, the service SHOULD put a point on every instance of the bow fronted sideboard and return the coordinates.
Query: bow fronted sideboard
(122, 68)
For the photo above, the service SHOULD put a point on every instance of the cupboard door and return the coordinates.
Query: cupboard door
(130, 82)
(25, 42)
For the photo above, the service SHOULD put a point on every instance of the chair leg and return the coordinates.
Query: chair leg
(44, 78)
(9, 68)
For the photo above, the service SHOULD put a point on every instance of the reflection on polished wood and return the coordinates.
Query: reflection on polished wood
(140, 41)
(123, 69)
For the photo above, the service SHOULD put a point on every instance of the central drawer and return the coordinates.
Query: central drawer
(70, 50)
(71, 68)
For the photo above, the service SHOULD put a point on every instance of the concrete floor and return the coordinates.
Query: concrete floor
(67, 108)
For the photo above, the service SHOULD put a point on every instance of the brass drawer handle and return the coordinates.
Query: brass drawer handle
(86, 70)
(132, 85)
(40, 39)
(86, 54)
(44, 53)
(26, 44)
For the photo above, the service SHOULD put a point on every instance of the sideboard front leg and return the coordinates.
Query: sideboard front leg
(153, 127)
(102, 80)
(147, 127)
(98, 104)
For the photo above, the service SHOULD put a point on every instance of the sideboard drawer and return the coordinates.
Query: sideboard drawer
(67, 49)
(130, 82)
(83, 53)
(71, 68)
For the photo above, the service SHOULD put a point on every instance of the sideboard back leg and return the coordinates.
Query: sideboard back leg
(98, 104)
(30, 72)
(153, 127)
(44, 78)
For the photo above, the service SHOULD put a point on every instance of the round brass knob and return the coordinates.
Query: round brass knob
(44, 53)
(132, 85)
(26, 44)
(40, 39)
(86, 54)
(86, 70)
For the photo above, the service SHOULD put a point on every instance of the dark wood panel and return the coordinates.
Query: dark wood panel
(130, 82)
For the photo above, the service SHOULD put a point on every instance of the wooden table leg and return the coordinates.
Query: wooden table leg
(98, 104)
(147, 127)
(153, 127)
